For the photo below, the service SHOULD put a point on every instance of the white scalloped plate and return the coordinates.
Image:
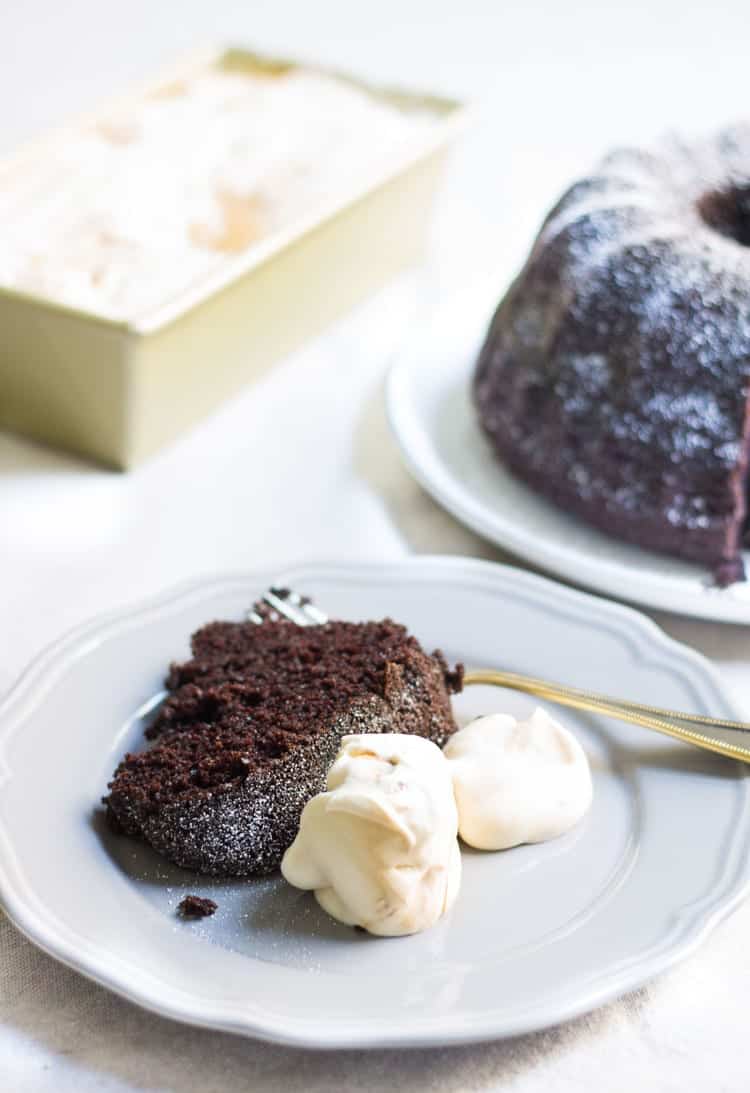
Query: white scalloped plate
(538, 934)
(433, 421)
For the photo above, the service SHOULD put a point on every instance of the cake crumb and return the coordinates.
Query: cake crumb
(196, 907)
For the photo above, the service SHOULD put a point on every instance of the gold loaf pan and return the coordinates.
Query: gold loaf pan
(117, 391)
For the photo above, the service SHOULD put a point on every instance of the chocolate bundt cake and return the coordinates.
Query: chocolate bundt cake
(614, 377)
(253, 722)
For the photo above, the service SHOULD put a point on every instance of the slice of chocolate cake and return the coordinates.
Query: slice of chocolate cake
(251, 726)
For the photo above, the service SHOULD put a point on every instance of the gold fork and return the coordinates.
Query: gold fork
(286, 603)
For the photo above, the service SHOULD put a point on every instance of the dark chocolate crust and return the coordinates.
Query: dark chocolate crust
(252, 724)
(615, 374)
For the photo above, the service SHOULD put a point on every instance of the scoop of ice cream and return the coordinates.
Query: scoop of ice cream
(517, 781)
(379, 847)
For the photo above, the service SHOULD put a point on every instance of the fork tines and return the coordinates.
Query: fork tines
(277, 603)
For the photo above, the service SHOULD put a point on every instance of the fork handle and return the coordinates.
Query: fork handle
(647, 717)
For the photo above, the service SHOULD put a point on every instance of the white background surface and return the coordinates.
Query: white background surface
(302, 467)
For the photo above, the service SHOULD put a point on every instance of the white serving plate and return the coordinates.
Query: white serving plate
(538, 934)
(434, 423)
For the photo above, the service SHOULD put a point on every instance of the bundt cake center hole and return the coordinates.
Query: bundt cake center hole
(728, 212)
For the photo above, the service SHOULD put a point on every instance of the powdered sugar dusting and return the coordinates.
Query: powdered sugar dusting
(616, 372)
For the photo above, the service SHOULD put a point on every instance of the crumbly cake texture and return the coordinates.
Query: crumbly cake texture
(251, 725)
(615, 374)
(196, 907)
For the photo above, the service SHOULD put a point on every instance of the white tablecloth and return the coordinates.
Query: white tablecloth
(301, 466)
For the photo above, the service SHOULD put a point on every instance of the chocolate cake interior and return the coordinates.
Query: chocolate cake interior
(251, 696)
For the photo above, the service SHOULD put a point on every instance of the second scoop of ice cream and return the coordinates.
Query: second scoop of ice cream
(517, 781)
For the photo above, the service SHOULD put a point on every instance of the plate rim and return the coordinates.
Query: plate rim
(434, 475)
(33, 919)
